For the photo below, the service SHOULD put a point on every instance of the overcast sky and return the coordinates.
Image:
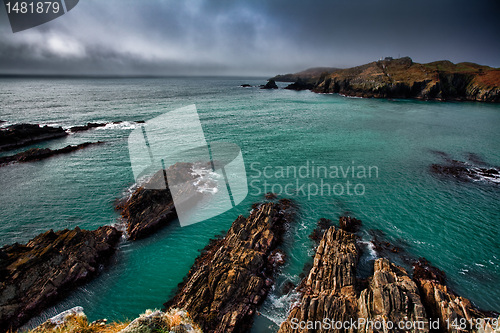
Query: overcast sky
(249, 37)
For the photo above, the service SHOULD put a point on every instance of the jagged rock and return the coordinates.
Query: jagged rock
(233, 275)
(35, 275)
(443, 303)
(271, 84)
(151, 206)
(36, 154)
(21, 135)
(392, 297)
(246, 85)
(329, 291)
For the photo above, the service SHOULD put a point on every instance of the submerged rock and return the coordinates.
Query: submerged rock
(233, 275)
(151, 207)
(36, 154)
(35, 275)
(21, 135)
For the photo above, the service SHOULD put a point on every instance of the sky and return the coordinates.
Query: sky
(249, 37)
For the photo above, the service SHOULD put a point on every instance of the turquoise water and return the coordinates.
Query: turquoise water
(453, 224)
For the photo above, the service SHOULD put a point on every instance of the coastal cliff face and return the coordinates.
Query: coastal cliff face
(35, 275)
(233, 275)
(389, 297)
(402, 78)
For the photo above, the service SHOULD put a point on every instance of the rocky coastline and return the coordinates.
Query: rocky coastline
(37, 154)
(35, 275)
(390, 296)
(234, 274)
(403, 78)
(20, 135)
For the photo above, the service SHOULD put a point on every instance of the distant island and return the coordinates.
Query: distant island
(403, 78)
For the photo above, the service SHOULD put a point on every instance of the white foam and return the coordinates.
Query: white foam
(123, 125)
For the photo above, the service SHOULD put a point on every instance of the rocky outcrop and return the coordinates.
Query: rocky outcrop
(21, 135)
(175, 320)
(402, 78)
(301, 84)
(329, 290)
(387, 301)
(151, 206)
(455, 313)
(36, 154)
(233, 275)
(35, 275)
(271, 84)
(391, 299)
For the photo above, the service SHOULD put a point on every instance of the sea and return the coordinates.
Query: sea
(333, 155)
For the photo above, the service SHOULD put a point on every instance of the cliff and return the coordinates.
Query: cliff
(233, 275)
(402, 78)
(35, 275)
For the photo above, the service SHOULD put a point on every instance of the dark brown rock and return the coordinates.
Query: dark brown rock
(151, 206)
(233, 275)
(36, 154)
(349, 224)
(35, 275)
(21, 135)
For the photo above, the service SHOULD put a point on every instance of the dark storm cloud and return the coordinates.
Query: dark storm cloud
(259, 37)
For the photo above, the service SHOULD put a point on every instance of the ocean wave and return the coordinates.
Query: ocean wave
(122, 125)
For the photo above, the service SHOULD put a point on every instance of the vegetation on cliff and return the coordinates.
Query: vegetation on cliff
(403, 78)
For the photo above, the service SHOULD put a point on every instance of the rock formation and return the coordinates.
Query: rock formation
(455, 313)
(329, 291)
(271, 84)
(35, 275)
(233, 275)
(402, 78)
(21, 135)
(392, 297)
(36, 154)
(388, 301)
(151, 206)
